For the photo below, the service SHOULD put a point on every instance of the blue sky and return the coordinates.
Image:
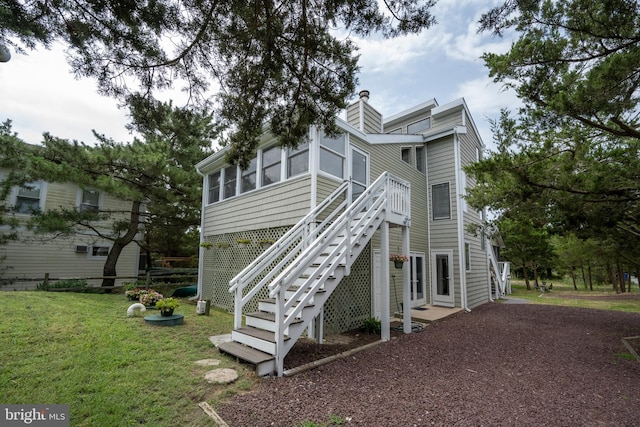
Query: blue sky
(38, 92)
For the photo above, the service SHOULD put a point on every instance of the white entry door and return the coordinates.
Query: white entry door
(442, 278)
(417, 280)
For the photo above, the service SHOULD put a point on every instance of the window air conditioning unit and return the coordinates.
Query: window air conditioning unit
(81, 249)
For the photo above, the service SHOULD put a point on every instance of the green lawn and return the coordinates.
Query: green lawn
(83, 350)
(563, 293)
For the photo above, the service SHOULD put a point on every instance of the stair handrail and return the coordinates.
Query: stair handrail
(498, 274)
(374, 198)
(286, 243)
(292, 312)
(375, 190)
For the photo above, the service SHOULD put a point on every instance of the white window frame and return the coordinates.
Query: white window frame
(80, 198)
(345, 166)
(247, 172)
(433, 204)
(423, 119)
(41, 201)
(406, 150)
(262, 166)
(209, 201)
(297, 152)
(91, 248)
(422, 157)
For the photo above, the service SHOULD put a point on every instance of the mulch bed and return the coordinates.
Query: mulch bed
(500, 365)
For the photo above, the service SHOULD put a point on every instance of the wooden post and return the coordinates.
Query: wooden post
(385, 333)
(406, 283)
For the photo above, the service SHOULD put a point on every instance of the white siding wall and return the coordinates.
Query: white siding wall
(33, 256)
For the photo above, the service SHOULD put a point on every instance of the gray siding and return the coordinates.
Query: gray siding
(444, 232)
(446, 121)
(387, 157)
(282, 204)
(477, 276)
(372, 118)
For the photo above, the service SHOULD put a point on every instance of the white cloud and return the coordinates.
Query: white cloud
(41, 95)
(485, 100)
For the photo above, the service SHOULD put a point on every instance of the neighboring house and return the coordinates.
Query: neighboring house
(405, 174)
(79, 256)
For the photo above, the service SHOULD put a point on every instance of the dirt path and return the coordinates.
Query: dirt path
(500, 365)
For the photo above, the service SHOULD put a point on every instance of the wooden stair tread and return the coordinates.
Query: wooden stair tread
(259, 333)
(270, 316)
(244, 352)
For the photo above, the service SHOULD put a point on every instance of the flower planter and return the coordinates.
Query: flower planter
(398, 264)
(166, 312)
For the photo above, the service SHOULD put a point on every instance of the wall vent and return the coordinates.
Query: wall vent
(81, 249)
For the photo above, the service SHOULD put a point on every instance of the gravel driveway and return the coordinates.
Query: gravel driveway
(500, 365)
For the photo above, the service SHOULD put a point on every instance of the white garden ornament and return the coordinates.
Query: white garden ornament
(132, 308)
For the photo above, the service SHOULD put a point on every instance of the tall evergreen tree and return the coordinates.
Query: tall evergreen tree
(269, 62)
(153, 176)
(571, 155)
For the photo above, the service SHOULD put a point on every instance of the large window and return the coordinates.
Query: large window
(440, 201)
(28, 198)
(419, 126)
(248, 182)
(230, 181)
(214, 187)
(332, 155)
(271, 160)
(298, 160)
(90, 201)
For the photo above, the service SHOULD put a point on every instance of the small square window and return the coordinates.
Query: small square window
(99, 251)
(90, 201)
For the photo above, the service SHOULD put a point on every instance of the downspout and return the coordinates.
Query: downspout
(200, 247)
(460, 221)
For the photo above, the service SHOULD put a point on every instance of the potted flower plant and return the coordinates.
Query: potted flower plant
(133, 294)
(398, 259)
(150, 298)
(167, 305)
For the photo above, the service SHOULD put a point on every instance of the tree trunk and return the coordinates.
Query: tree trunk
(590, 276)
(584, 278)
(109, 269)
(573, 278)
(525, 274)
(612, 277)
(620, 277)
(535, 276)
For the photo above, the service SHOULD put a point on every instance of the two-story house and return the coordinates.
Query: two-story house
(79, 256)
(303, 238)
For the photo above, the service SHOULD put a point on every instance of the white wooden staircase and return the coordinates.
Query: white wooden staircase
(304, 267)
(500, 276)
